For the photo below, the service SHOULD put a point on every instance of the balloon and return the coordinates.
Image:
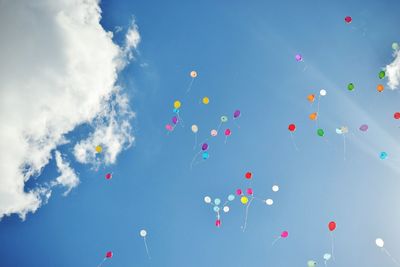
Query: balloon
(338, 131)
(311, 263)
(320, 132)
(292, 127)
(248, 175)
(231, 197)
(174, 120)
(332, 226)
(397, 115)
(176, 110)
(344, 129)
(236, 114)
(244, 200)
(217, 201)
(383, 155)
(379, 242)
(249, 191)
(206, 100)
(216, 208)
(298, 57)
(311, 98)
(218, 223)
(99, 149)
(143, 233)
(275, 188)
(214, 132)
(193, 74)
(364, 128)
(228, 132)
(205, 155)
(322, 92)
(381, 74)
(207, 199)
(269, 202)
(224, 118)
(169, 127)
(313, 116)
(204, 147)
(109, 254)
(195, 129)
(238, 192)
(395, 46)
(226, 209)
(177, 104)
(284, 234)
(348, 19)
(380, 88)
(350, 86)
(108, 176)
(327, 256)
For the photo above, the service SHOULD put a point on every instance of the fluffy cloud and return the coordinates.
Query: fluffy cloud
(393, 71)
(59, 69)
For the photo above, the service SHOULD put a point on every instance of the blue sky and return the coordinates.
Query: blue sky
(244, 54)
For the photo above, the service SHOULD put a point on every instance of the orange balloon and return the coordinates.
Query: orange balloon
(380, 88)
(313, 116)
(311, 98)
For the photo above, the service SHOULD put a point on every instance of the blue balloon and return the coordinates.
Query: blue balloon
(383, 155)
(216, 208)
(176, 110)
(217, 201)
(231, 197)
(205, 155)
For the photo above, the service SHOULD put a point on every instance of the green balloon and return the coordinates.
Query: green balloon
(311, 263)
(320, 132)
(350, 86)
(395, 46)
(382, 74)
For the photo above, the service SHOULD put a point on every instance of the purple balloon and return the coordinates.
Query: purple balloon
(299, 57)
(236, 114)
(174, 120)
(364, 127)
(204, 147)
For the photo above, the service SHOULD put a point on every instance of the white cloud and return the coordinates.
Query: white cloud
(132, 39)
(68, 177)
(393, 71)
(59, 69)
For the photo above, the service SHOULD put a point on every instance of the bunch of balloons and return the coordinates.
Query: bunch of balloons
(217, 204)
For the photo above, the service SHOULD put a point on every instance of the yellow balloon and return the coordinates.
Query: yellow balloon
(206, 100)
(177, 104)
(193, 74)
(99, 149)
(244, 200)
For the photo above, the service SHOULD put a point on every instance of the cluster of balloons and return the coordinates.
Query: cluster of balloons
(217, 206)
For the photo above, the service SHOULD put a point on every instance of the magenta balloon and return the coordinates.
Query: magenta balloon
(174, 120)
(236, 114)
(364, 127)
(204, 147)
(284, 234)
(228, 132)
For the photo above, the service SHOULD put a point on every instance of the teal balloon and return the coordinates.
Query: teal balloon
(320, 132)
(217, 201)
(216, 208)
(205, 155)
(383, 155)
(231, 197)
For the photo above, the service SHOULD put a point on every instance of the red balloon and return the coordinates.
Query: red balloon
(108, 176)
(397, 115)
(348, 19)
(248, 175)
(332, 226)
(218, 223)
(109, 254)
(292, 127)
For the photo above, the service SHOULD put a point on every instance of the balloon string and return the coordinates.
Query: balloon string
(195, 141)
(147, 249)
(390, 256)
(247, 212)
(219, 126)
(190, 86)
(316, 121)
(180, 119)
(101, 263)
(226, 139)
(194, 158)
(294, 142)
(273, 243)
(344, 147)
(332, 247)
(325, 263)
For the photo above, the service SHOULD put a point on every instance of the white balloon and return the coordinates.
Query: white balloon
(226, 209)
(275, 188)
(207, 199)
(143, 233)
(327, 256)
(322, 92)
(379, 242)
(195, 129)
(269, 202)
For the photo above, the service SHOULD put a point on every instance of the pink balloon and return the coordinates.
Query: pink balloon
(298, 57)
(169, 127)
(218, 223)
(228, 132)
(284, 234)
(239, 192)
(108, 176)
(249, 191)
